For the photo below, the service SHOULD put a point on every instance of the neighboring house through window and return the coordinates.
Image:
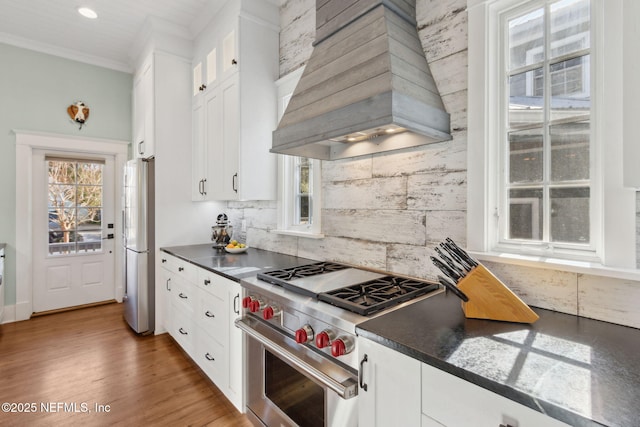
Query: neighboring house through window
(543, 98)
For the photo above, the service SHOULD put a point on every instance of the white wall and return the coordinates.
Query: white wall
(35, 91)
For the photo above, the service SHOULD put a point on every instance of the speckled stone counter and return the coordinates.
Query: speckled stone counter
(581, 371)
(233, 266)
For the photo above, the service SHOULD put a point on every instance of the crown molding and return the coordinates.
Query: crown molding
(70, 54)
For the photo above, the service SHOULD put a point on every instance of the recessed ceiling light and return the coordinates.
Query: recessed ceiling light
(87, 13)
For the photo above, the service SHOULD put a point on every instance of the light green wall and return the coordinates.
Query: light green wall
(35, 90)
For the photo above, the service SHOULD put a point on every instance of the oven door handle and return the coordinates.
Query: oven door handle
(345, 389)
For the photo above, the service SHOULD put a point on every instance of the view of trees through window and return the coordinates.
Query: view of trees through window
(74, 206)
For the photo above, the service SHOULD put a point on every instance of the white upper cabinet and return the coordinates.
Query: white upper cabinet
(143, 111)
(234, 109)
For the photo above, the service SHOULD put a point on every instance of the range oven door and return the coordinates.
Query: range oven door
(290, 385)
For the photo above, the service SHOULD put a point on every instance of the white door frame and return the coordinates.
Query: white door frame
(26, 142)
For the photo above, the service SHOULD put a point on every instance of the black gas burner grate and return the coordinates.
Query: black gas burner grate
(372, 296)
(280, 277)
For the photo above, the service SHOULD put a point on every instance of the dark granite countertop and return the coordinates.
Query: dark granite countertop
(580, 371)
(234, 266)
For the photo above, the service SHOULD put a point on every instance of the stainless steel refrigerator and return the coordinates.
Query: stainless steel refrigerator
(139, 248)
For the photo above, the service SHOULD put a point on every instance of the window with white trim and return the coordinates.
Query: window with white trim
(546, 151)
(545, 133)
(299, 196)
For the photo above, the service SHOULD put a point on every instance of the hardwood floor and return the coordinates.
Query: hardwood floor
(90, 357)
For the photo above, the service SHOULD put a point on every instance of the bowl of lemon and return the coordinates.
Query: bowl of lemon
(235, 247)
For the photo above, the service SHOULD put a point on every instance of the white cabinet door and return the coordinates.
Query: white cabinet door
(222, 129)
(236, 354)
(229, 54)
(451, 401)
(143, 111)
(392, 381)
(198, 151)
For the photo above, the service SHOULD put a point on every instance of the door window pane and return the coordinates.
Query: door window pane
(303, 199)
(75, 208)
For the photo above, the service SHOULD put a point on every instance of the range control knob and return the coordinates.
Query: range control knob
(255, 305)
(304, 334)
(341, 346)
(269, 312)
(246, 301)
(325, 338)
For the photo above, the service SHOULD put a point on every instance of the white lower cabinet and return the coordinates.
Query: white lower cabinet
(203, 307)
(451, 401)
(402, 391)
(392, 381)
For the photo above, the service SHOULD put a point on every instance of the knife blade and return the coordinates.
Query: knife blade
(453, 288)
(463, 254)
(445, 269)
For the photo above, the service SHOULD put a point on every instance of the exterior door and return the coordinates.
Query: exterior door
(73, 217)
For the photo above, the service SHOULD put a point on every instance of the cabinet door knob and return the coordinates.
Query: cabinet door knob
(234, 62)
(180, 268)
(202, 87)
(207, 282)
(164, 260)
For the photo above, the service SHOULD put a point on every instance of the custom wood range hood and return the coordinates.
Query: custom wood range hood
(367, 87)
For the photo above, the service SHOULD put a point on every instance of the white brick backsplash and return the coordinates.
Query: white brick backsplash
(350, 251)
(446, 155)
(612, 300)
(450, 73)
(437, 191)
(346, 170)
(550, 289)
(383, 226)
(443, 224)
(366, 194)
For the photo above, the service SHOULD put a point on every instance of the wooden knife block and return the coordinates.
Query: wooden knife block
(489, 298)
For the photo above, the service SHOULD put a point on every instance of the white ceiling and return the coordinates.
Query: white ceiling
(55, 27)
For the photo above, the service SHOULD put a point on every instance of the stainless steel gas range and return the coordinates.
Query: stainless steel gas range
(302, 358)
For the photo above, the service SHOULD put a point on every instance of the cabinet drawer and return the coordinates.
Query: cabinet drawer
(179, 267)
(212, 283)
(212, 315)
(211, 356)
(184, 296)
(183, 330)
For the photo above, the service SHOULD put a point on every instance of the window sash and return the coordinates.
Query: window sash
(546, 184)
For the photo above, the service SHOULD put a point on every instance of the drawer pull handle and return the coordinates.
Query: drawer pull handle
(207, 282)
(209, 357)
(209, 314)
(183, 296)
(361, 373)
(180, 268)
(183, 332)
(169, 284)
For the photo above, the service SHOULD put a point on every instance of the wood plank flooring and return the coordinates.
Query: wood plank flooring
(90, 357)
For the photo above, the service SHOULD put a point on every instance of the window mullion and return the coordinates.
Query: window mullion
(546, 139)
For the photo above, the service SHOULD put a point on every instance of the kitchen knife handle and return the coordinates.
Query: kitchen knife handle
(361, 373)
(453, 288)
(445, 270)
